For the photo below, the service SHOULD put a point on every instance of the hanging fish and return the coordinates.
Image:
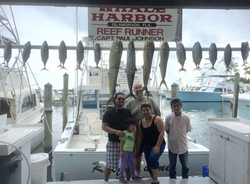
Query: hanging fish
(131, 67)
(26, 52)
(7, 52)
(45, 54)
(164, 53)
(114, 66)
(213, 55)
(197, 55)
(181, 56)
(228, 56)
(244, 52)
(79, 55)
(62, 54)
(97, 54)
(148, 53)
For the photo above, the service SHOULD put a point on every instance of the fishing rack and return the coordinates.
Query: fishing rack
(124, 48)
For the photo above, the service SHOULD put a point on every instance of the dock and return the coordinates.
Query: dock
(165, 180)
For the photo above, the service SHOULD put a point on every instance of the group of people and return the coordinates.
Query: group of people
(138, 128)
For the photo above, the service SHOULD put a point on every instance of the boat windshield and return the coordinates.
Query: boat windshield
(218, 90)
(4, 108)
(28, 103)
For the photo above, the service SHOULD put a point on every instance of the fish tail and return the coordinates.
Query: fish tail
(182, 70)
(244, 63)
(212, 68)
(130, 94)
(63, 68)
(78, 68)
(142, 91)
(146, 91)
(44, 69)
(111, 99)
(197, 68)
(163, 82)
(160, 84)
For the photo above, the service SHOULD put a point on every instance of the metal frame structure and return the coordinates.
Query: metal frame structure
(176, 4)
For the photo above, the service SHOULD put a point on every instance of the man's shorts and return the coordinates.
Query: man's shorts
(112, 155)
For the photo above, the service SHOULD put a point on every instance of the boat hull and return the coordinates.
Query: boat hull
(243, 105)
(199, 96)
(90, 165)
(79, 158)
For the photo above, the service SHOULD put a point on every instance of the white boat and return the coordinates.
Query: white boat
(243, 104)
(207, 87)
(19, 100)
(57, 97)
(82, 155)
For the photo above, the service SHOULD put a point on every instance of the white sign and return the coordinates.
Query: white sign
(122, 76)
(140, 24)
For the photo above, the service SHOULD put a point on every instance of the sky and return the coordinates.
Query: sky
(54, 24)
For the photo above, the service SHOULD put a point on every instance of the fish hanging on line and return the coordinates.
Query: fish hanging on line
(244, 52)
(227, 56)
(26, 52)
(181, 56)
(45, 54)
(197, 55)
(114, 66)
(7, 53)
(164, 54)
(148, 53)
(131, 67)
(212, 55)
(97, 54)
(62, 54)
(79, 55)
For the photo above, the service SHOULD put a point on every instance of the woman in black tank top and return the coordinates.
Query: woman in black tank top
(151, 129)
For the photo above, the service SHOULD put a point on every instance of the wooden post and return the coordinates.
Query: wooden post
(236, 95)
(65, 99)
(48, 117)
(174, 90)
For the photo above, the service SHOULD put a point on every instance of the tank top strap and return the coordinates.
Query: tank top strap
(153, 119)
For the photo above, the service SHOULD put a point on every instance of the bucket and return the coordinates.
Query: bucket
(38, 169)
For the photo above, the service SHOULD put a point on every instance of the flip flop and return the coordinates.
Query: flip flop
(155, 182)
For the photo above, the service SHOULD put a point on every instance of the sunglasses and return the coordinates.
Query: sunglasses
(145, 103)
(121, 99)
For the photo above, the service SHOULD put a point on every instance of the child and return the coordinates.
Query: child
(126, 150)
(177, 125)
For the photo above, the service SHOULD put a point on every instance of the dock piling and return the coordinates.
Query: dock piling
(65, 99)
(174, 90)
(48, 117)
(236, 95)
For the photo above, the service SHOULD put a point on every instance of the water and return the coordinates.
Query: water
(199, 113)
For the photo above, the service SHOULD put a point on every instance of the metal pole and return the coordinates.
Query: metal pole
(65, 99)
(236, 95)
(48, 117)
(174, 90)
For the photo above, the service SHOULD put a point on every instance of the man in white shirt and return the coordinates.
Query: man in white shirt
(177, 125)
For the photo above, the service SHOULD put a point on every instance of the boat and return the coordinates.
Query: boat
(57, 97)
(20, 99)
(81, 150)
(243, 104)
(207, 87)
